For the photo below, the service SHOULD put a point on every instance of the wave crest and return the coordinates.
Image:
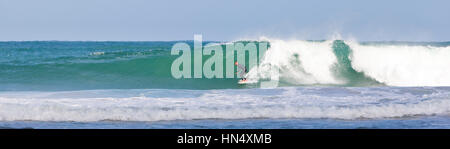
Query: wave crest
(350, 63)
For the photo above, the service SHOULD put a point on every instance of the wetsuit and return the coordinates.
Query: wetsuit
(243, 71)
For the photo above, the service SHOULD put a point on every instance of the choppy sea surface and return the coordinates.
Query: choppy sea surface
(322, 84)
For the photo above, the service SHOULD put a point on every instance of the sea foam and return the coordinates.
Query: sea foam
(288, 102)
(316, 62)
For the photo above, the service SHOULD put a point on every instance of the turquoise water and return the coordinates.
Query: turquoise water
(92, 65)
(56, 65)
(322, 84)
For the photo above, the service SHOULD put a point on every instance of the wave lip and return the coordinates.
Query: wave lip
(349, 63)
(300, 62)
(403, 65)
(288, 102)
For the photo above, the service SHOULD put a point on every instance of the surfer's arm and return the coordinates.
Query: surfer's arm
(240, 68)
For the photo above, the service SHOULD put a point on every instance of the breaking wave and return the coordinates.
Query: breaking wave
(287, 102)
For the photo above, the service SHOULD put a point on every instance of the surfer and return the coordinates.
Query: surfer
(243, 71)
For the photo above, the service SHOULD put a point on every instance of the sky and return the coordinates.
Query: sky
(224, 20)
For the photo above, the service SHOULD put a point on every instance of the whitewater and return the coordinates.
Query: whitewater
(341, 62)
(288, 102)
(322, 84)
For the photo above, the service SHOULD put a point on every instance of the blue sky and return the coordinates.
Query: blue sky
(148, 20)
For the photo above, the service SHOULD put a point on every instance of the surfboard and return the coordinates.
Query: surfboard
(243, 82)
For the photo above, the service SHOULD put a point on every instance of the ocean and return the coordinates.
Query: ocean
(322, 84)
